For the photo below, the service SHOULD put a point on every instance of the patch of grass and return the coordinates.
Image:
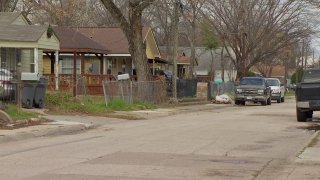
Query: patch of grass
(16, 114)
(64, 103)
(290, 93)
(120, 105)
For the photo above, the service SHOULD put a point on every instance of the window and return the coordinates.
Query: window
(28, 61)
(66, 65)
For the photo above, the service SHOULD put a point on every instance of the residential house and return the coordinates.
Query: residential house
(21, 42)
(209, 65)
(119, 59)
(96, 53)
(183, 62)
(78, 55)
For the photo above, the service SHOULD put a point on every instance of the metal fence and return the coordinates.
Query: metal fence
(186, 88)
(129, 91)
(221, 88)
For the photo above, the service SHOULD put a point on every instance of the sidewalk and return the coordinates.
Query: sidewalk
(72, 124)
(45, 129)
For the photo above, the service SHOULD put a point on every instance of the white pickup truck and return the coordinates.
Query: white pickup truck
(277, 90)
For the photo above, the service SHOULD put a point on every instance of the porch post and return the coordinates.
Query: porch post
(101, 64)
(74, 91)
(36, 61)
(153, 73)
(56, 71)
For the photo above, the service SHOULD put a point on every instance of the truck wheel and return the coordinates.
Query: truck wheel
(309, 114)
(264, 103)
(243, 103)
(282, 99)
(301, 116)
(279, 100)
(269, 101)
(237, 102)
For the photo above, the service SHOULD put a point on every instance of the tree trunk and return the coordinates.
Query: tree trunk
(137, 47)
(211, 70)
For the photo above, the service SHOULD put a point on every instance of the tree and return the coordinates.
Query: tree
(62, 13)
(131, 25)
(257, 30)
(191, 15)
(8, 5)
(211, 42)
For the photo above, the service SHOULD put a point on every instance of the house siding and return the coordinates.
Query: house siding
(15, 44)
(20, 21)
(48, 43)
(152, 49)
(46, 65)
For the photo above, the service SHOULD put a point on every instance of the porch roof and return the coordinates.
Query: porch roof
(112, 38)
(73, 41)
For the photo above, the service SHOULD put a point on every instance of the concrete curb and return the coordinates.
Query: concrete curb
(46, 129)
(299, 155)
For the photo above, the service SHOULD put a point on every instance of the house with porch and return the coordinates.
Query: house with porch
(97, 54)
(119, 60)
(21, 42)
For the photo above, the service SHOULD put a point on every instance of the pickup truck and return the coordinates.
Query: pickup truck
(254, 89)
(277, 89)
(308, 94)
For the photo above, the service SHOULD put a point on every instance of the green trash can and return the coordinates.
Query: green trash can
(40, 92)
(28, 92)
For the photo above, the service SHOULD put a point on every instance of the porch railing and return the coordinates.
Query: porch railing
(91, 82)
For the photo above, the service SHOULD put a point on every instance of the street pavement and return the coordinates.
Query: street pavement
(64, 124)
(194, 142)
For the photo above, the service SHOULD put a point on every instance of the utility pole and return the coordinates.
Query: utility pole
(175, 46)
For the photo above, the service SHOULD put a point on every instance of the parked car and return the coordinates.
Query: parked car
(254, 89)
(6, 88)
(277, 89)
(307, 95)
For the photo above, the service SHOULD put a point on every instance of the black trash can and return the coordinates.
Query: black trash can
(28, 94)
(40, 92)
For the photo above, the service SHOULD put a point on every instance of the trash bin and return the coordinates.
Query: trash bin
(40, 93)
(28, 94)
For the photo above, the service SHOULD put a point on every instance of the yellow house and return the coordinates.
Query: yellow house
(119, 59)
(97, 53)
(25, 43)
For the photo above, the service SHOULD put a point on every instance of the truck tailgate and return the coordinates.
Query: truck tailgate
(309, 91)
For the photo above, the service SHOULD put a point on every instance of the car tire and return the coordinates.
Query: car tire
(279, 100)
(264, 103)
(309, 114)
(282, 99)
(301, 116)
(243, 103)
(237, 102)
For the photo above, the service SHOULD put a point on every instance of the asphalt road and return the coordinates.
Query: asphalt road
(246, 142)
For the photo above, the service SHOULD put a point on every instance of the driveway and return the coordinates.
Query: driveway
(241, 142)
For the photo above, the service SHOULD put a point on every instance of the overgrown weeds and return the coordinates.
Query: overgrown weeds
(16, 114)
(61, 102)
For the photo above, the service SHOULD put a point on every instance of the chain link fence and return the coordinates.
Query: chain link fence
(215, 89)
(147, 91)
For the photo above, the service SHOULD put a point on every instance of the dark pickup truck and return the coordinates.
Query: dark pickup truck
(308, 94)
(254, 89)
